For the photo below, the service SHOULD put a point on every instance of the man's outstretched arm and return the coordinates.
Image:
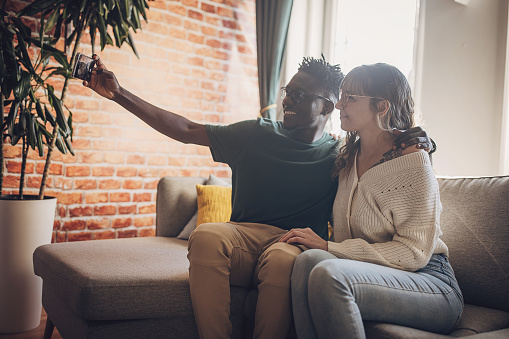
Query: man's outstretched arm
(177, 127)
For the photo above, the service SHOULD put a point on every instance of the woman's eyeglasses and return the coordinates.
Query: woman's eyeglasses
(345, 98)
(297, 95)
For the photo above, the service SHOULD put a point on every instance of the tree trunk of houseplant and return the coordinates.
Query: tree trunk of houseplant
(1, 142)
(20, 234)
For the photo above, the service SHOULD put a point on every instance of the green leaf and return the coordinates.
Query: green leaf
(22, 45)
(18, 129)
(130, 42)
(49, 117)
(92, 30)
(61, 59)
(11, 118)
(41, 27)
(22, 29)
(38, 108)
(110, 4)
(22, 89)
(136, 15)
(58, 28)
(31, 94)
(69, 146)
(100, 7)
(52, 19)
(44, 131)
(22, 119)
(71, 37)
(45, 60)
(57, 105)
(60, 144)
(37, 42)
(31, 136)
(69, 123)
(109, 41)
(83, 5)
(142, 10)
(127, 9)
(117, 36)
(11, 70)
(49, 51)
(37, 6)
(40, 145)
(60, 71)
(102, 31)
(16, 135)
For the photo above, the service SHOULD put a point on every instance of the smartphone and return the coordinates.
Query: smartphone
(83, 67)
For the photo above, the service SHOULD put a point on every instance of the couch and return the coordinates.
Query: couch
(138, 287)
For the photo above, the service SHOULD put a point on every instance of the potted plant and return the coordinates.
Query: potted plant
(38, 119)
(74, 17)
(27, 221)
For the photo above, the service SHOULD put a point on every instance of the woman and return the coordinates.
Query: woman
(387, 262)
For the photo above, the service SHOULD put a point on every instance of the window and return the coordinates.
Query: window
(370, 31)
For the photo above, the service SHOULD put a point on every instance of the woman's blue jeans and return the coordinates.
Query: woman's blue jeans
(331, 297)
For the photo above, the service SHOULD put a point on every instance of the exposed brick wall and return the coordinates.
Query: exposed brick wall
(198, 59)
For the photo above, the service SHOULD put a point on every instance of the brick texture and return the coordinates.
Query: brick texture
(197, 59)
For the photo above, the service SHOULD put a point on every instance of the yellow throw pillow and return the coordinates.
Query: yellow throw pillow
(214, 203)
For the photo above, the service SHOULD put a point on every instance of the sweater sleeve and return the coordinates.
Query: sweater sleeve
(407, 204)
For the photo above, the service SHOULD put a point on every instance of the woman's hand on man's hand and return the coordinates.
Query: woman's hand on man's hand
(306, 237)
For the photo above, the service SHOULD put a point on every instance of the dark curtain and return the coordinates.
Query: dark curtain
(272, 20)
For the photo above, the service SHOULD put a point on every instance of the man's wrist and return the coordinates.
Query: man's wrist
(119, 95)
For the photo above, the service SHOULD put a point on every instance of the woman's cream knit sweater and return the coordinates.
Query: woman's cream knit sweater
(391, 216)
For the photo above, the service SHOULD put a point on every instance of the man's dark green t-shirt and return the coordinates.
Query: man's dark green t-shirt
(276, 180)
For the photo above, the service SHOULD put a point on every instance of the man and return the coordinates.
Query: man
(282, 179)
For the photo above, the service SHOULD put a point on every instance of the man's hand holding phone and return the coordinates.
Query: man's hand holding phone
(102, 81)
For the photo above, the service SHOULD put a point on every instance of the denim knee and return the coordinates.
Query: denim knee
(307, 260)
(326, 280)
(304, 264)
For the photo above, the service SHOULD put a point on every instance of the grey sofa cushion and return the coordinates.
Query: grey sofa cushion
(475, 222)
(376, 330)
(477, 319)
(122, 278)
(474, 320)
(119, 278)
(176, 204)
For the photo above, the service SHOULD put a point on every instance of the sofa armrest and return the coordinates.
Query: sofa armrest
(176, 204)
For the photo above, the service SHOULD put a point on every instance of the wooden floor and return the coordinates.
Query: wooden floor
(36, 333)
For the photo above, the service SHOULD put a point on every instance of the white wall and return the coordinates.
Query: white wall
(461, 70)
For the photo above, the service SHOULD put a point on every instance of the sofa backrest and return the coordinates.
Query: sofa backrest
(475, 223)
(176, 204)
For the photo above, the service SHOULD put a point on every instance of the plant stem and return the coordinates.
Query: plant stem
(1, 142)
(51, 147)
(23, 167)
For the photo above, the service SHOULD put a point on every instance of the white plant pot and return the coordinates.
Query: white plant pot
(24, 225)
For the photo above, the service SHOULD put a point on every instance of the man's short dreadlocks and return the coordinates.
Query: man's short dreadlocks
(329, 75)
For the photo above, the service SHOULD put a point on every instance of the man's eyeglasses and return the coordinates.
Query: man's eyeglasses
(297, 95)
(345, 98)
